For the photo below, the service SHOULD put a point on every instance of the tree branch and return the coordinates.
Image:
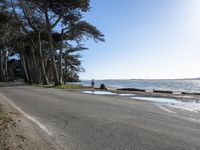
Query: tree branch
(27, 16)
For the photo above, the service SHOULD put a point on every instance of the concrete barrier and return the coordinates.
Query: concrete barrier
(131, 89)
(187, 93)
(158, 91)
(162, 91)
(177, 92)
(149, 90)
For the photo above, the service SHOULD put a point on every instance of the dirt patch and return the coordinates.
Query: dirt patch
(19, 133)
(5, 122)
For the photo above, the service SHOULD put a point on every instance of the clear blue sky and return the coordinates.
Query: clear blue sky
(144, 39)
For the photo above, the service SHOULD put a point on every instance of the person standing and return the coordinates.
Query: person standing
(92, 83)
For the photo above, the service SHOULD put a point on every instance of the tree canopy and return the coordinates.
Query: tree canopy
(47, 35)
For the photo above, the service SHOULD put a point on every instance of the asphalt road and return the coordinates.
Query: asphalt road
(80, 121)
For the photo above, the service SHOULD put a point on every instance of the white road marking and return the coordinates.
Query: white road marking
(27, 116)
(167, 110)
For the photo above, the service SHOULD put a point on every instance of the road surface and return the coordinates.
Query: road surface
(77, 121)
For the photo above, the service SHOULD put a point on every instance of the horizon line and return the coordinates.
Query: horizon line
(197, 78)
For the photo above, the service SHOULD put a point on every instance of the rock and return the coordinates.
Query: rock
(103, 87)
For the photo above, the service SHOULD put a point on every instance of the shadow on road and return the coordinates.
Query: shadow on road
(12, 84)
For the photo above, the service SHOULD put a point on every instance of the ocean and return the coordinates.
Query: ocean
(190, 85)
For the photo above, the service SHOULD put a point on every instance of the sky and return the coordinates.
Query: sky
(145, 39)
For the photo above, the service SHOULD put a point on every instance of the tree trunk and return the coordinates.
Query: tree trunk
(55, 70)
(25, 67)
(60, 59)
(28, 66)
(51, 47)
(44, 75)
(6, 68)
(1, 66)
(34, 66)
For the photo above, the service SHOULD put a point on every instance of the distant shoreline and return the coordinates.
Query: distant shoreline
(142, 79)
(182, 85)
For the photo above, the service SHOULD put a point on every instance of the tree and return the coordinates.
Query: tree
(38, 43)
(67, 14)
(72, 63)
(7, 37)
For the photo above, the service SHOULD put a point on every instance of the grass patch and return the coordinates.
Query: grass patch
(71, 86)
(4, 117)
(44, 86)
(63, 86)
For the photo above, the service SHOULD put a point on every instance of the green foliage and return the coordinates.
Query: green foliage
(82, 29)
(28, 28)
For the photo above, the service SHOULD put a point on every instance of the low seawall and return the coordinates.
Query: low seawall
(159, 91)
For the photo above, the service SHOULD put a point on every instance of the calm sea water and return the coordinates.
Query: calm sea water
(175, 85)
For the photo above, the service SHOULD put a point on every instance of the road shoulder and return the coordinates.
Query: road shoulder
(19, 133)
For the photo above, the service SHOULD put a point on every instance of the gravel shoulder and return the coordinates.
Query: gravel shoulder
(19, 133)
